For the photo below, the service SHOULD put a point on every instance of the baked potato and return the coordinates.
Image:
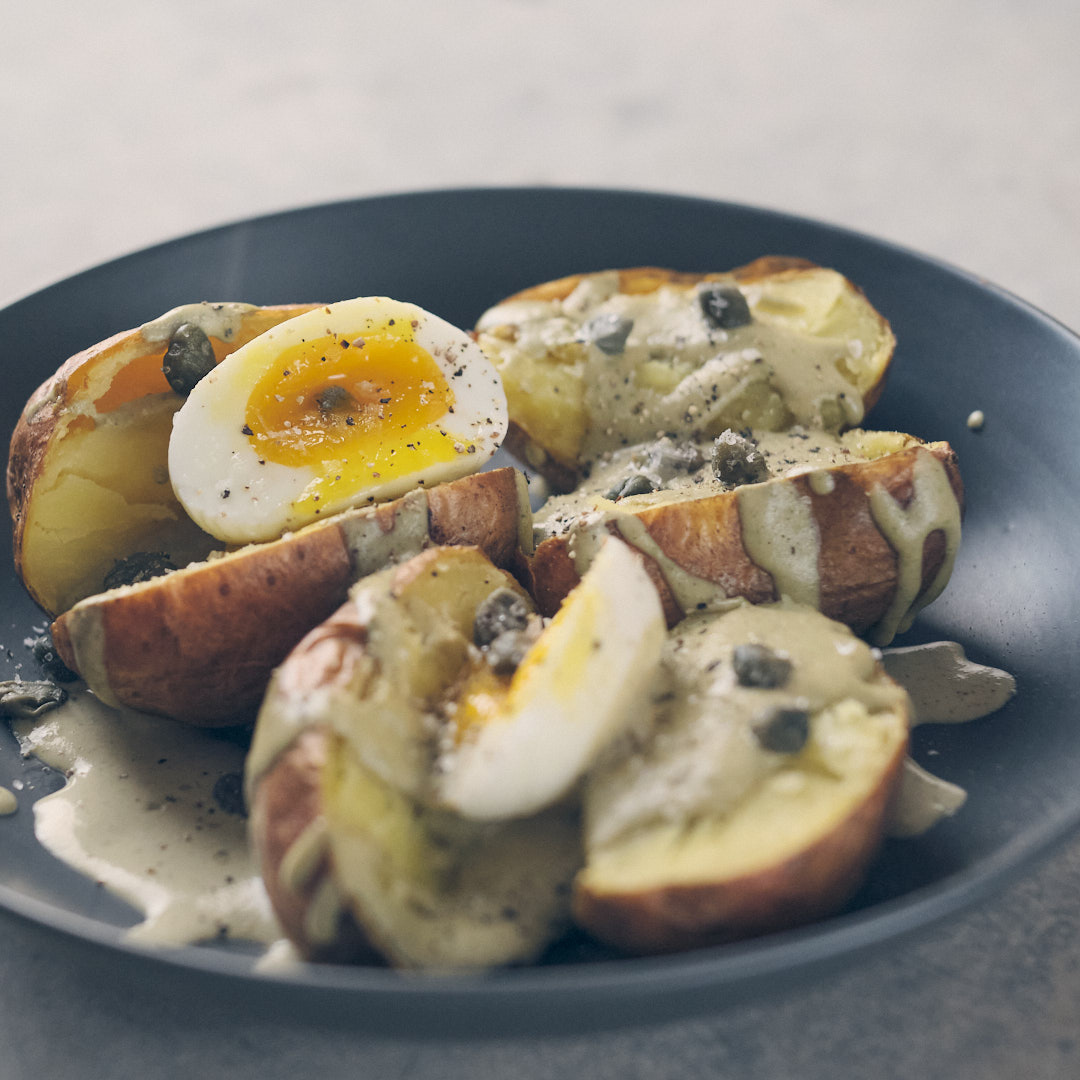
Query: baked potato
(593, 362)
(414, 764)
(487, 742)
(198, 644)
(863, 526)
(742, 783)
(87, 477)
(757, 794)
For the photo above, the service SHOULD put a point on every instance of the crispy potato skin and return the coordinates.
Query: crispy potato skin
(641, 280)
(286, 801)
(858, 568)
(812, 884)
(199, 644)
(36, 434)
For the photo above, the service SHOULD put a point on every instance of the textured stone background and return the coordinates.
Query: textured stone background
(949, 126)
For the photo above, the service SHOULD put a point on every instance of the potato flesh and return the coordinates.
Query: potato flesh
(547, 371)
(104, 495)
(434, 891)
(789, 810)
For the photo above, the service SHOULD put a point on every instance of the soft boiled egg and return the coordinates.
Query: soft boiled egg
(349, 404)
(520, 744)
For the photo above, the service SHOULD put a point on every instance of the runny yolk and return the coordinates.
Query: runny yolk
(481, 701)
(359, 411)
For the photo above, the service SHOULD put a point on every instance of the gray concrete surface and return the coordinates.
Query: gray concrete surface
(949, 126)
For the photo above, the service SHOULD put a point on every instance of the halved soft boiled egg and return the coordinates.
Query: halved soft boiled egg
(520, 744)
(410, 678)
(346, 405)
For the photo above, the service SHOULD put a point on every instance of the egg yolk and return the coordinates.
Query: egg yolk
(359, 411)
(481, 701)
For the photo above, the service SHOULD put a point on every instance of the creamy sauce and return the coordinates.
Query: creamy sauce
(933, 506)
(780, 534)
(677, 370)
(222, 321)
(139, 815)
(922, 800)
(700, 754)
(945, 686)
(9, 802)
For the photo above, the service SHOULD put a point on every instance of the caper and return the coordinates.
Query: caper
(142, 566)
(608, 332)
(666, 458)
(737, 460)
(332, 397)
(638, 484)
(783, 730)
(501, 611)
(229, 794)
(724, 307)
(759, 666)
(189, 358)
(48, 658)
(26, 700)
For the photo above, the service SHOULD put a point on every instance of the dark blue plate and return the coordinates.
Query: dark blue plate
(963, 345)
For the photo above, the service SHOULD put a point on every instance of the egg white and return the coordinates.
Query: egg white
(581, 684)
(239, 497)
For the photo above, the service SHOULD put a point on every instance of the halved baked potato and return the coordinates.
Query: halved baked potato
(415, 760)
(758, 793)
(87, 477)
(863, 526)
(597, 361)
(199, 644)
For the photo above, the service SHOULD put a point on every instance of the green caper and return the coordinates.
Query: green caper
(500, 612)
(724, 307)
(759, 666)
(783, 730)
(608, 332)
(26, 700)
(229, 794)
(638, 484)
(189, 358)
(737, 460)
(142, 566)
(332, 397)
(666, 458)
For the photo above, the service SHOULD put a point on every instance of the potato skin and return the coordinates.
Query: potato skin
(288, 797)
(858, 568)
(810, 885)
(286, 801)
(199, 644)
